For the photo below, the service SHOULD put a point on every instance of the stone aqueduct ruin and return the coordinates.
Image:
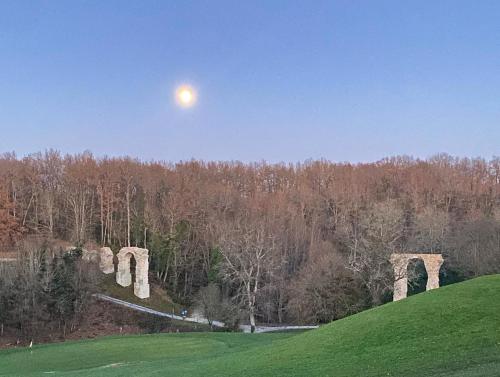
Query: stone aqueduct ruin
(104, 256)
(400, 262)
(123, 274)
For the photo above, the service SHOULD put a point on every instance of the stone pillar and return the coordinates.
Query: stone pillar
(123, 275)
(400, 289)
(433, 264)
(141, 285)
(106, 264)
(400, 264)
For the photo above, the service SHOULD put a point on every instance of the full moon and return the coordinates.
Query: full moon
(185, 96)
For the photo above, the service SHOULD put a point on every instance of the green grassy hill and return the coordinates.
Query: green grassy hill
(452, 331)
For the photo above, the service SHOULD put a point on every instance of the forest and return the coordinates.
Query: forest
(297, 243)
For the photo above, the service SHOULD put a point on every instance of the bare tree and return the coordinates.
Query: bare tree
(80, 192)
(209, 301)
(429, 231)
(325, 291)
(371, 240)
(247, 247)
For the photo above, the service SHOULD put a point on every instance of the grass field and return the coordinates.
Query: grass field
(452, 331)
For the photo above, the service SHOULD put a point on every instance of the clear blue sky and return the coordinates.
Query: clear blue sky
(277, 80)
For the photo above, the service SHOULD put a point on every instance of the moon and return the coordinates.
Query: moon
(185, 96)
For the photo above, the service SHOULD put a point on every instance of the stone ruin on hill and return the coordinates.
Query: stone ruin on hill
(104, 256)
(106, 261)
(400, 262)
(124, 276)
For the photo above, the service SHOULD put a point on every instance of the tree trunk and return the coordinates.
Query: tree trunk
(252, 320)
(102, 218)
(128, 214)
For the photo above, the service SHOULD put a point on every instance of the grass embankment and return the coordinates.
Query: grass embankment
(452, 331)
(158, 300)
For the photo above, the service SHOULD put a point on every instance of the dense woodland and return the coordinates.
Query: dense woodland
(287, 243)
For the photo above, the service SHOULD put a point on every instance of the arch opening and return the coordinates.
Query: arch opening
(417, 276)
(133, 265)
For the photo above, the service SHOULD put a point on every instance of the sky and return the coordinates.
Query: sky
(281, 81)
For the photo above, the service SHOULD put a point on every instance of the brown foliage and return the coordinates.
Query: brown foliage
(187, 211)
(325, 291)
(10, 229)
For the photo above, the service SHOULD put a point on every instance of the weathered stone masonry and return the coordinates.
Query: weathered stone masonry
(123, 275)
(432, 263)
(106, 262)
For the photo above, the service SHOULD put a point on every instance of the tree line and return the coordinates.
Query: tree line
(305, 242)
(45, 289)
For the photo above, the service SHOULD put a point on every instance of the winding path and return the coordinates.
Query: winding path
(156, 312)
(244, 328)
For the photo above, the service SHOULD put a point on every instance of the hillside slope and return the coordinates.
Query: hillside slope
(452, 331)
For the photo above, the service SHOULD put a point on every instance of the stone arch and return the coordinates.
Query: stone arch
(123, 275)
(399, 262)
